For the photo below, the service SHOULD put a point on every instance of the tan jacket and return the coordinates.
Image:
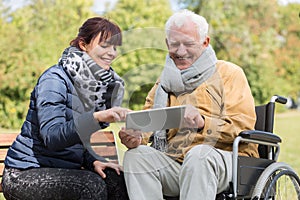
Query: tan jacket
(226, 103)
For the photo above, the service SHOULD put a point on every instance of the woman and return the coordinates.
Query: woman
(75, 98)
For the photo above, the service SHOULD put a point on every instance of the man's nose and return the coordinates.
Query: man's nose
(181, 51)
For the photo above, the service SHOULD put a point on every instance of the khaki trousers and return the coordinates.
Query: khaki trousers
(150, 174)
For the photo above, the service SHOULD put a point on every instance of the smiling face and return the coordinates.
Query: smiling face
(102, 53)
(184, 44)
(98, 37)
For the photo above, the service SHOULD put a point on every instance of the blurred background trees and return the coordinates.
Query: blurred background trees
(260, 36)
(32, 39)
(142, 55)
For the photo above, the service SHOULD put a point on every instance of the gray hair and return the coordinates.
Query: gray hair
(180, 17)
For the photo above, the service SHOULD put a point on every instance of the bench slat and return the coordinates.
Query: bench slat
(7, 139)
(2, 154)
(1, 171)
(1, 168)
(105, 151)
(102, 137)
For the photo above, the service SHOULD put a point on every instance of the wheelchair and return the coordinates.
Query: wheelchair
(264, 177)
(261, 178)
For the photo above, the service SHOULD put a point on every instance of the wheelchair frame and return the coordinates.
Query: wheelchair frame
(261, 169)
(260, 172)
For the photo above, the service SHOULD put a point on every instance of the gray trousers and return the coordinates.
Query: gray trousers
(150, 174)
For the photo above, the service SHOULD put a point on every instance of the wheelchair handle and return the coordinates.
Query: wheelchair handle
(278, 99)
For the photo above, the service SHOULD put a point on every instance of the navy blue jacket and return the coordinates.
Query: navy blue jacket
(50, 134)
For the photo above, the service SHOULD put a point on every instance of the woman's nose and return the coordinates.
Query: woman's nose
(112, 51)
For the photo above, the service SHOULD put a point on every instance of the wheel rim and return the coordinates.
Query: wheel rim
(284, 185)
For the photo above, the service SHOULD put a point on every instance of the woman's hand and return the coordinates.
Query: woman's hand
(99, 167)
(130, 138)
(114, 114)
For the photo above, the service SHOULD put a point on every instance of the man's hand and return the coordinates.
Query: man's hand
(193, 118)
(130, 138)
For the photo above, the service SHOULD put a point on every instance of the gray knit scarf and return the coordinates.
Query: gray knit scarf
(98, 89)
(177, 81)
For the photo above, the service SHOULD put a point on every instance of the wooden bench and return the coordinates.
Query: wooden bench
(5, 141)
(103, 144)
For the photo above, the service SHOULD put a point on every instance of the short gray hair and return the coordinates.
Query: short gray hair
(180, 17)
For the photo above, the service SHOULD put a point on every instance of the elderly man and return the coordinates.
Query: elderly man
(193, 161)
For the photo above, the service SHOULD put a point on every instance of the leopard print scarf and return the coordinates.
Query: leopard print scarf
(98, 89)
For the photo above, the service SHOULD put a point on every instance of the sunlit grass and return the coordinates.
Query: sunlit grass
(287, 126)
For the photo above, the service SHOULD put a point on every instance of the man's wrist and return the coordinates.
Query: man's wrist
(199, 129)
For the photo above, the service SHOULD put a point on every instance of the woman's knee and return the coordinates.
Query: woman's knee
(84, 184)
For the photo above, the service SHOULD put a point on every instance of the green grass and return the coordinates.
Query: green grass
(287, 126)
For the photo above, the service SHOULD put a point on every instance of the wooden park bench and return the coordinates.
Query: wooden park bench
(103, 144)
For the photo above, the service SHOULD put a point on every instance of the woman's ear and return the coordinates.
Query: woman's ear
(82, 45)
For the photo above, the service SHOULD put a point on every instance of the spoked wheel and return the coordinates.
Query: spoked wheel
(277, 182)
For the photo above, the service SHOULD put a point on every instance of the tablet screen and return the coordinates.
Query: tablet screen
(155, 119)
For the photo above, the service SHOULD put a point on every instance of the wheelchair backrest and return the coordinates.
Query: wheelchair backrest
(265, 117)
(265, 121)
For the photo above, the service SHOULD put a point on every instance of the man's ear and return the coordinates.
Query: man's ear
(166, 40)
(206, 41)
(82, 45)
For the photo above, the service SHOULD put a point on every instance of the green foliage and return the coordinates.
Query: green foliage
(247, 33)
(287, 54)
(34, 37)
(142, 55)
(260, 36)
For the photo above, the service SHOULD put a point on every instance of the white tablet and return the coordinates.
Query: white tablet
(155, 119)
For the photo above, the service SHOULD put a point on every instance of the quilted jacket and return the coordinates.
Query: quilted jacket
(50, 133)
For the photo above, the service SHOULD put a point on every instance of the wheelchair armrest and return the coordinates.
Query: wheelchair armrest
(260, 136)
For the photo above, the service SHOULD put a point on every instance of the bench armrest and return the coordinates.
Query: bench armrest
(260, 136)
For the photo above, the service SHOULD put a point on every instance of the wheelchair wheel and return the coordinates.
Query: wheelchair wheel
(277, 182)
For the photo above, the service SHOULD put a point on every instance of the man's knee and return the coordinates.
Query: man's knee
(136, 152)
(202, 157)
(202, 151)
(136, 156)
